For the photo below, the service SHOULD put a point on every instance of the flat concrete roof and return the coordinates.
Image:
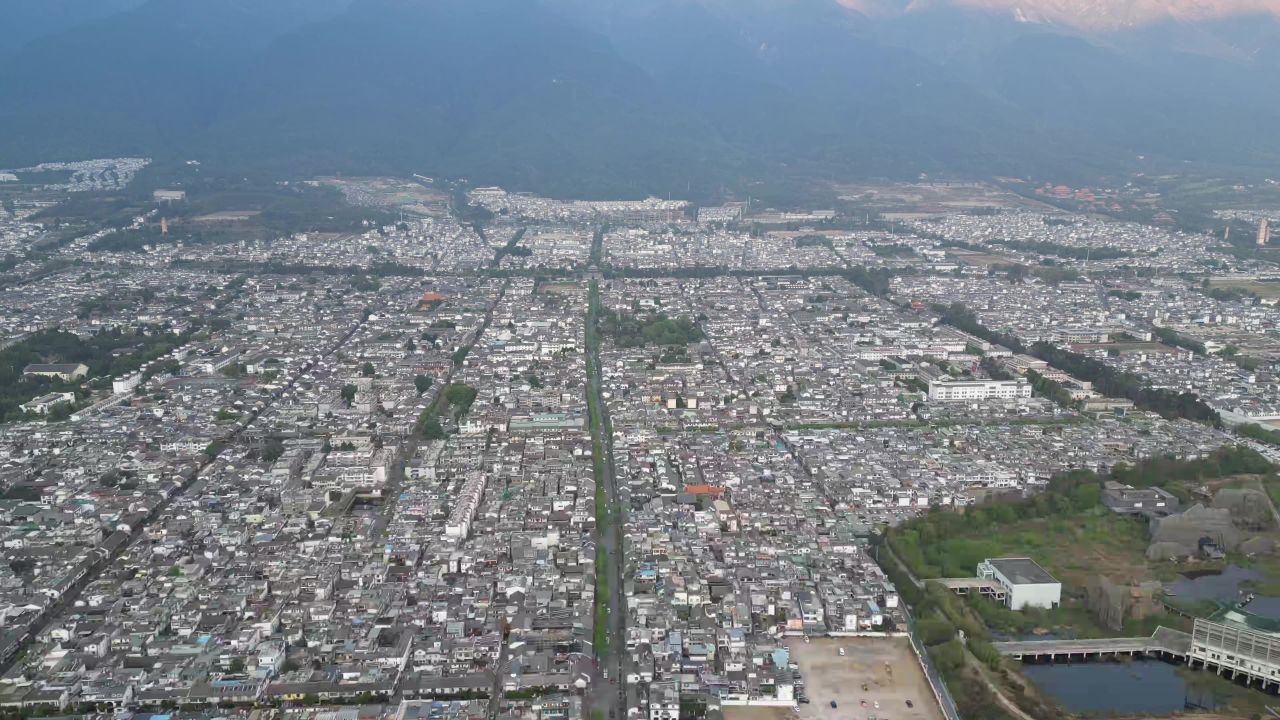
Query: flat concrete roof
(1022, 571)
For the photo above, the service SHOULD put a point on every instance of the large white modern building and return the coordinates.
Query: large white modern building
(1026, 584)
(963, 390)
(1233, 647)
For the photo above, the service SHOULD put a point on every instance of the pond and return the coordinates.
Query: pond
(1223, 586)
(1103, 688)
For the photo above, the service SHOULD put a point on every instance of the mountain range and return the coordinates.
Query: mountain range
(630, 97)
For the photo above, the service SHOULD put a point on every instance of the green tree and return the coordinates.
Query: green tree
(934, 631)
(431, 428)
(272, 450)
(349, 393)
(60, 412)
(460, 355)
(368, 370)
(460, 395)
(1259, 433)
(365, 283)
(422, 383)
(985, 652)
(948, 656)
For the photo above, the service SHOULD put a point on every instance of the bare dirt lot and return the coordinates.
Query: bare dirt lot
(978, 259)
(759, 712)
(227, 216)
(907, 200)
(885, 666)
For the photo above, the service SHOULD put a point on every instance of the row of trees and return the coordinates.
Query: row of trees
(430, 428)
(943, 615)
(459, 356)
(805, 241)
(1048, 272)
(457, 398)
(1259, 433)
(959, 316)
(1119, 383)
(512, 248)
(1106, 379)
(1169, 336)
(1226, 461)
(1051, 389)
(893, 251)
(874, 280)
(275, 267)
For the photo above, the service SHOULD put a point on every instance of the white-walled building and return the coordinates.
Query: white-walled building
(1026, 584)
(126, 384)
(963, 390)
(1234, 647)
(43, 404)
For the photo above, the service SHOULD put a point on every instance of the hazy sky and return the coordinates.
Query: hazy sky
(1101, 14)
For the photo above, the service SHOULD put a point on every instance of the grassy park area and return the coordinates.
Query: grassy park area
(1266, 290)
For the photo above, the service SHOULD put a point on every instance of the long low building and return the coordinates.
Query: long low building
(964, 390)
(45, 403)
(62, 371)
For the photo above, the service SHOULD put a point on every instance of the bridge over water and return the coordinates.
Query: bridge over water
(1164, 642)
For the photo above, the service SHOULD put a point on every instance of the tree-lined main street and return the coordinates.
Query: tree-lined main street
(608, 696)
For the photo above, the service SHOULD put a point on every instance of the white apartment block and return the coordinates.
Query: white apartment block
(965, 390)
